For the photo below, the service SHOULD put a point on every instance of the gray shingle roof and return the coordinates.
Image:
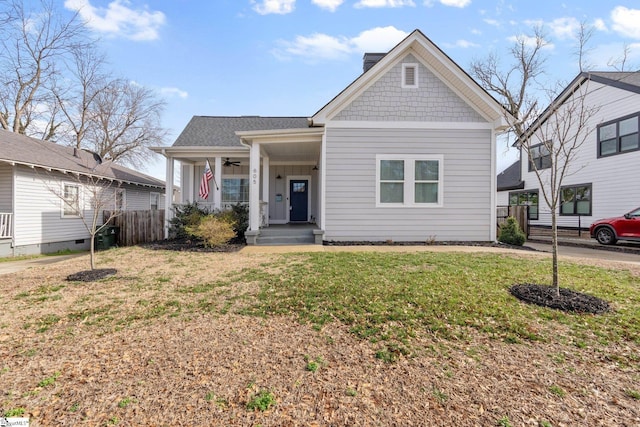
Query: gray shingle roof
(219, 131)
(509, 179)
(623, 79)
(16, 148)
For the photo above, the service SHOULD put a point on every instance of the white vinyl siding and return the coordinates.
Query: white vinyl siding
(38, 210)
(613, 178)
(37, 216)
(350, 192)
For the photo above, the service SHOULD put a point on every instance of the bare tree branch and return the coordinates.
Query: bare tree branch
(35, 42)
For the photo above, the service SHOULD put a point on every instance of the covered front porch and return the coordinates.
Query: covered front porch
(278, 174)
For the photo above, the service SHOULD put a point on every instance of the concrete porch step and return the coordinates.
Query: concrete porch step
(284, 240)
(290, 234)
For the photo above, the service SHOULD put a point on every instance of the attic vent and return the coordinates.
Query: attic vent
(409, 75)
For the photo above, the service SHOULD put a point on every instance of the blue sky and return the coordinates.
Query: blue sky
(290, 57)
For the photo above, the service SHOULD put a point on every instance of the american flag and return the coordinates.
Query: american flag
(204, 182)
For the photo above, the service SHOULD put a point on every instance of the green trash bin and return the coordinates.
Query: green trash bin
(106, 238)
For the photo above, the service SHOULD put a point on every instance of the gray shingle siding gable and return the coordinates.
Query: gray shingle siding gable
(386, 100)
(219, 131)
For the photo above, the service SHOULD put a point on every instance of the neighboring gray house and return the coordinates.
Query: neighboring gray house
(602, 178)
(37, 177)
(405, 153)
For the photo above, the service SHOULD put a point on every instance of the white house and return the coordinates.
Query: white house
(405, 153)
(602, 179)
(43, 187)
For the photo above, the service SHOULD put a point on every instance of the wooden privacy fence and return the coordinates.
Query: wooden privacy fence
(518, 212)
(137, 227)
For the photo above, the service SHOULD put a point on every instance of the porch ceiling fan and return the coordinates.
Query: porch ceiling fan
(228, 162)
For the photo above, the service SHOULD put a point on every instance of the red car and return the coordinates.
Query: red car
(609, 230)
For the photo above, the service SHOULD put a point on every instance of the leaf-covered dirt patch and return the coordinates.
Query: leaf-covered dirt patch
(91, 275)
(568, 300)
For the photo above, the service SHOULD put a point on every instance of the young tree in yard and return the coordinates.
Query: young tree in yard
(549, 141)
(87, 197)
(551, 146)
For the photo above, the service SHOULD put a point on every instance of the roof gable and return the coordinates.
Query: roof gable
(21, 149)
(432, 100)
(629, 81)
(437, 62)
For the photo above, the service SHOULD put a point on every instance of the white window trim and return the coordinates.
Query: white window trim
(409, 180)
(404, 75)
(244, 176)
(153, 194)
(63, 201)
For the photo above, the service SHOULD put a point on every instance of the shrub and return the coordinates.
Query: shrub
(185, 216)
(510, 233)
(213, 230)
(238, 215)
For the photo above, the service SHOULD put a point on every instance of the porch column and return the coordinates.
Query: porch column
(265, 188)
(168, 197)
(254, 187)
(217, 177)
(188, 192)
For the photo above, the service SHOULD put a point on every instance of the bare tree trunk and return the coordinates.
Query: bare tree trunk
(554, 251)
(92, 252)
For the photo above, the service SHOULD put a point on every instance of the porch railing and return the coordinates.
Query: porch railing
(5, 225)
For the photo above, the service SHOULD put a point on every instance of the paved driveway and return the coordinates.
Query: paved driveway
(7, 267)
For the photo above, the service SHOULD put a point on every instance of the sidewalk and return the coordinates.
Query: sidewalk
(7, 267)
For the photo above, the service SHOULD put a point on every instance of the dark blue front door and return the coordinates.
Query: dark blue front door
(299, 194)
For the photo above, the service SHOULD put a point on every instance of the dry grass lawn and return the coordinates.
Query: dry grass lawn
(164, 343)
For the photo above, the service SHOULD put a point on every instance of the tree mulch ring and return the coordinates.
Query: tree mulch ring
(91, 275)
(546, 296)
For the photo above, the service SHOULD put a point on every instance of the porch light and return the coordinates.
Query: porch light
(278, 177)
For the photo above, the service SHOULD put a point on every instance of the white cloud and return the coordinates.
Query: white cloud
(625, 21)
(174, 91)
(461, 43)
(379, 39)
(456, 3)
(476, 32)
(530, 41)
(118, 19)
(565, 28)
(330, 5)
(325, 47)
(280, 7)
(603, 56)
(492, 22)
(384, 3)
(599, 25)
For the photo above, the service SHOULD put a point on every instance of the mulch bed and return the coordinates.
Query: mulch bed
(91, 275)
(191, 245)
(568, 300)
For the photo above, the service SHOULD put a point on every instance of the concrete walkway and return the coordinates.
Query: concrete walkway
(7, 267)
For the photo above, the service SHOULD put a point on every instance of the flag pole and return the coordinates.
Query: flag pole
(214, 176)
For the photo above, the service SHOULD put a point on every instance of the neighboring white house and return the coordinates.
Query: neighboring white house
(405, 153)
(603, 179)
(44, 185)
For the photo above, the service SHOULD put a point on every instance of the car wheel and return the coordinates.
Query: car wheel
(605, 236)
